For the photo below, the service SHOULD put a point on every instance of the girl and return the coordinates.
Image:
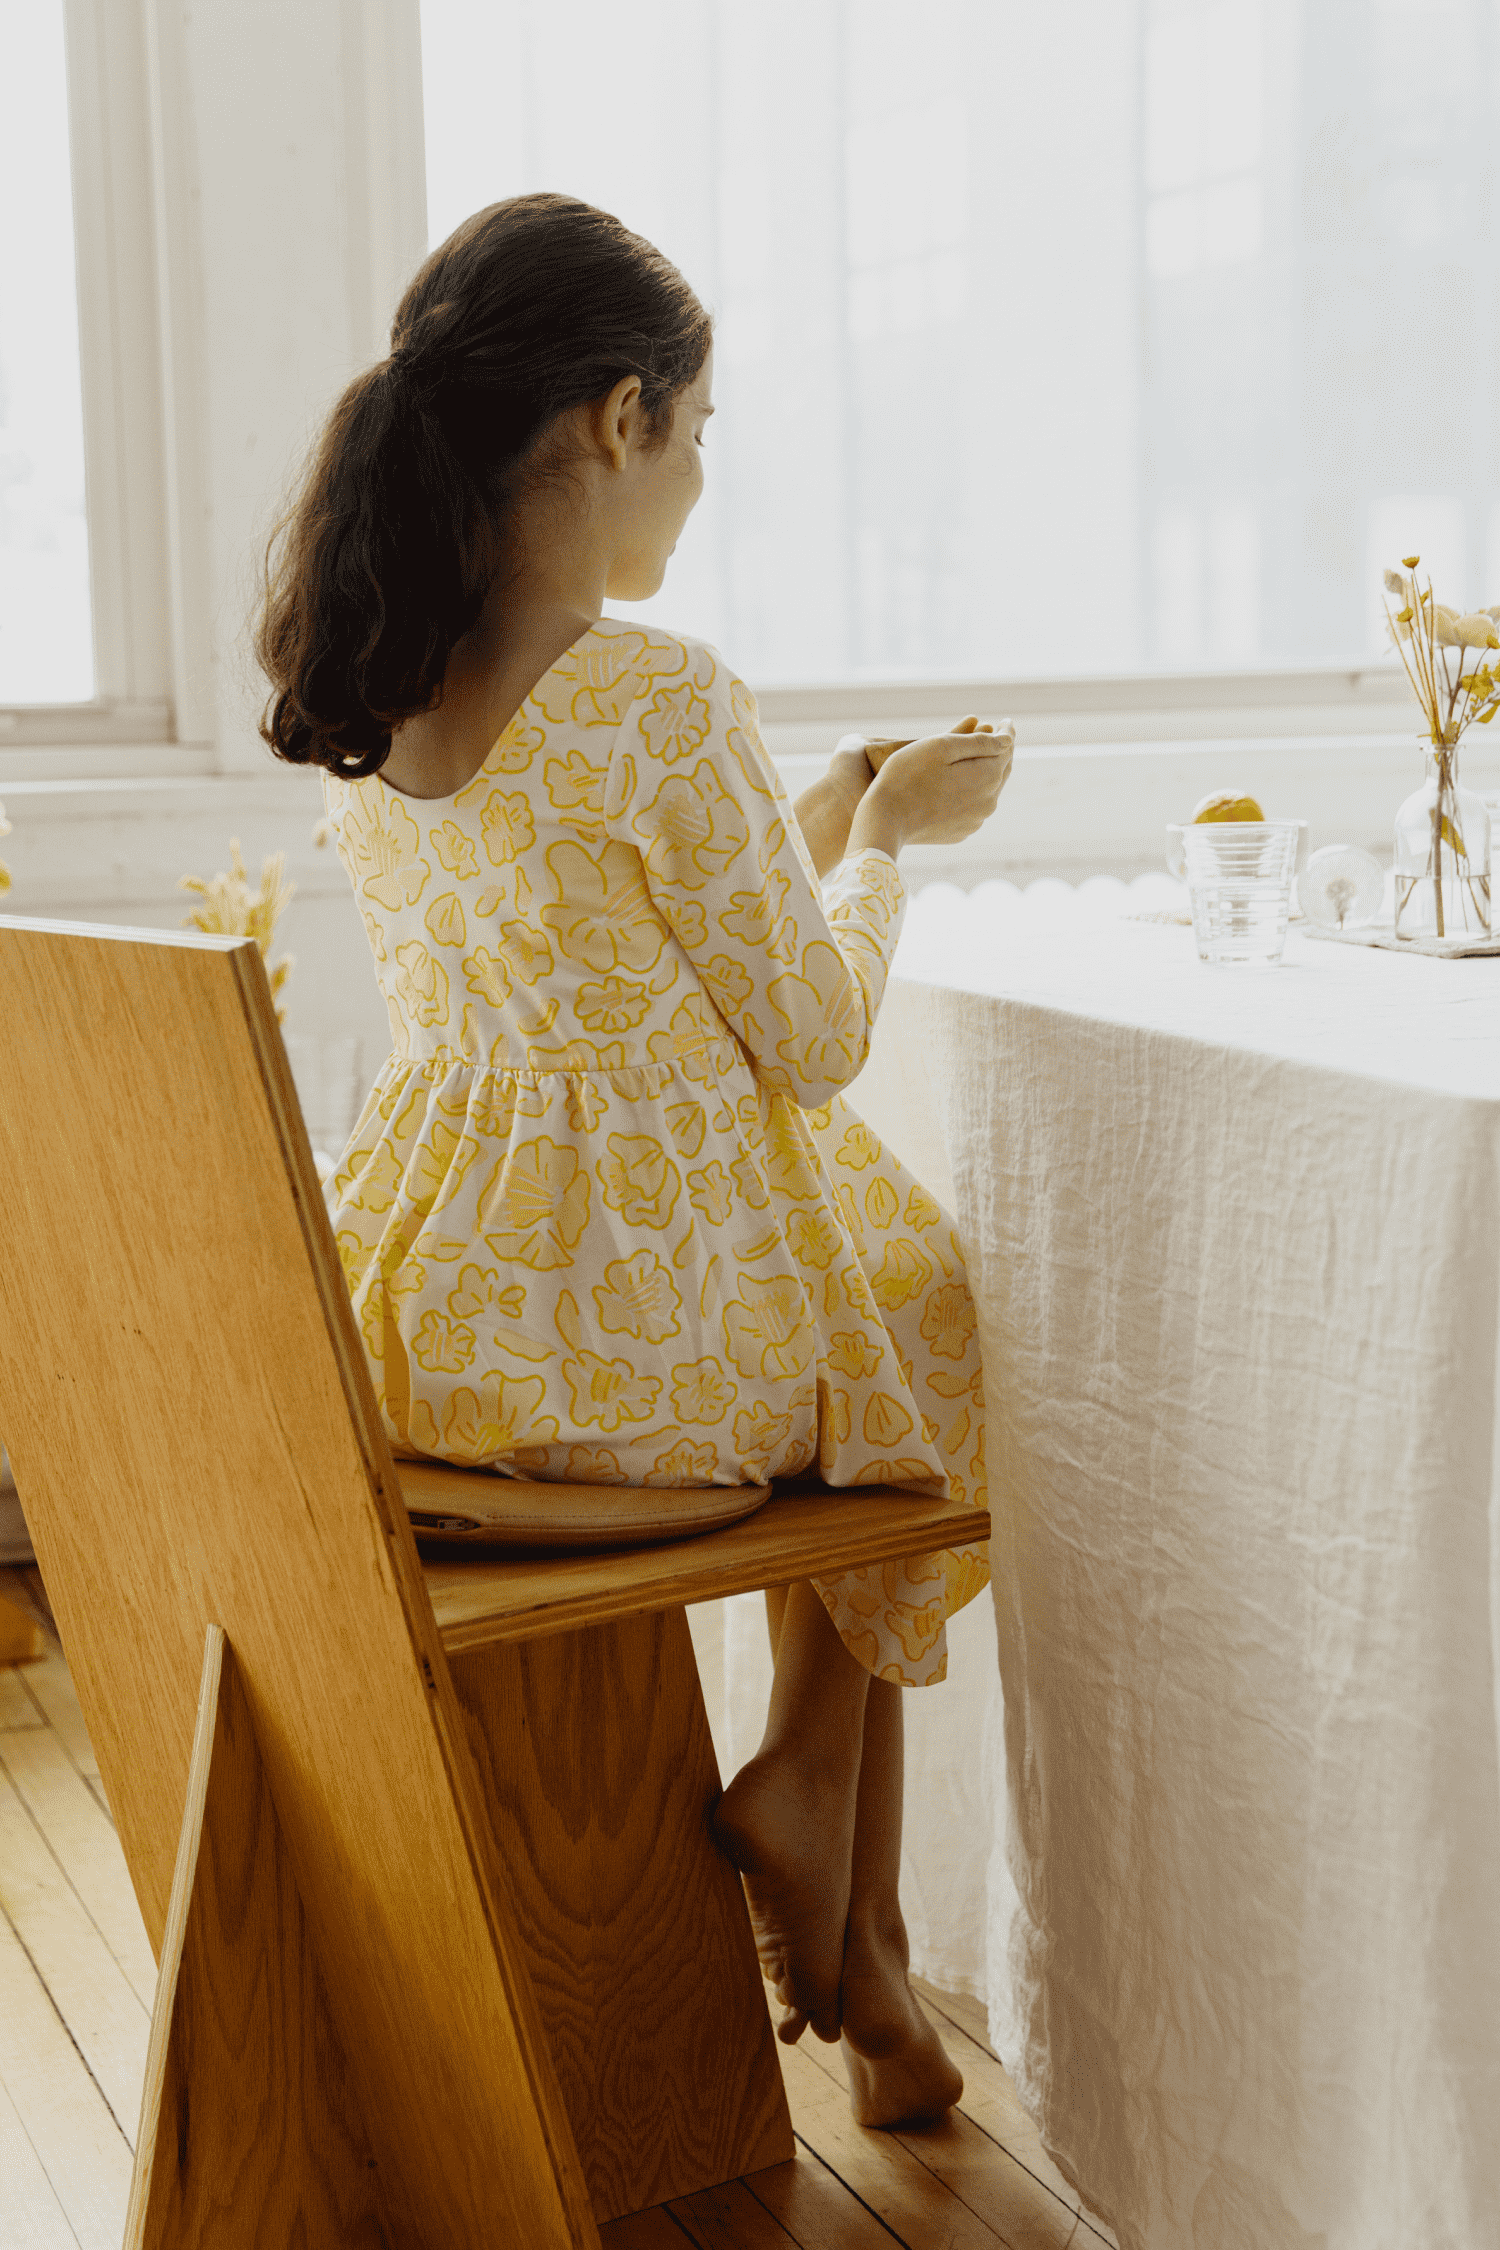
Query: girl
(605, 1215)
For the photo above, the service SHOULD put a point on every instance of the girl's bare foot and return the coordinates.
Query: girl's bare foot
(899, 2071)
(789, 1829)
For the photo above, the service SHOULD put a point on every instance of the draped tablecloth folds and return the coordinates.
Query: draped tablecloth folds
(1235, 1241)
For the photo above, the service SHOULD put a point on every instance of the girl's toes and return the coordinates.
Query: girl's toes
(791, 2027)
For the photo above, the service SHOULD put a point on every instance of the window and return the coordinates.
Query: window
(1051, 341)
(46, 613)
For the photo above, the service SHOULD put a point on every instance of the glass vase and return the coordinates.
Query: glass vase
(1442, 854)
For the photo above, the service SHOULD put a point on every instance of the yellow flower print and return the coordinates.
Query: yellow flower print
(639, 1299)
(833, 1416)
(516, 748)
(886, 1420)
(729, 982)
(599, 678)
(421, 983)
(881, 1203)
(694, 1041)
(574, 785)
(693, 830)
(385, 852)
(640, 1180)
(758, 1433)
(686, 920)
(594, 1464)
(374, 933)
(949, 1320)
(687, 1126)
(711, 1191)
(858, 1148)
(749, 754)
(455, 849)
(508, 826)
(353, 1257)
(445, 920)
(823, 1011)
(675, 723)
(480, 1287)
(612, 1005)
(438, 1167)
(844, 1197)
(487, 976)
(790, 1166)
(604, 918)
(607, 1392)
(701, 1392)
(442, 1346)
(527, 952)
(903, 1273)
(813, 1238)
(685, 1464)
(588, 1099)
(374, 1315)
(502, 1415)
(851, 1351)
(767, 1333)
(916, 1629)
(922, 1209)
(537, 1206)
(375, 1187)
(749, 1183)
(754, 914)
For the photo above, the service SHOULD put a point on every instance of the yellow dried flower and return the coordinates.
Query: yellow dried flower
(1410, 562)
(231, 909)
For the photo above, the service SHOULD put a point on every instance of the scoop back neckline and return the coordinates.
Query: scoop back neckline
(527, 699)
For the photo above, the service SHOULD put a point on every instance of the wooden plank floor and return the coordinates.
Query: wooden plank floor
(76, 1979)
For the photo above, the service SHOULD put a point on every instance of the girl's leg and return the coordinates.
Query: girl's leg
(787, 1819)
(898, 2070)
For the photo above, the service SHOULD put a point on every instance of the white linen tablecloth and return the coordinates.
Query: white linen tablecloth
(1235, 1240)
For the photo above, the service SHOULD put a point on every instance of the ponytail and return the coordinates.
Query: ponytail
(386, 556)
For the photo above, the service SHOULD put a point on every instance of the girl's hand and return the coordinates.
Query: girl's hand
(825, 809)
(936, 791)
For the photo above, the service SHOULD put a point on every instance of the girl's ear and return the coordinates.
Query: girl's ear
(617, 421)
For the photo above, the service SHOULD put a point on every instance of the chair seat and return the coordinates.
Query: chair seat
(815, 1532)
(454, 1509)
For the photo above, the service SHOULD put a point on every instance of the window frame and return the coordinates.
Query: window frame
(140, 635)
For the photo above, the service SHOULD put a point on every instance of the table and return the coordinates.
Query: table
(1235, 1240)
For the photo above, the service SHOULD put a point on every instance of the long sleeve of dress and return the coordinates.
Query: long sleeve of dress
(796, 973)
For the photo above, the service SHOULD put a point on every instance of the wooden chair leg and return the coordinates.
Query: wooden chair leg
(20, 1635)
(594, 1750)
(250, 2131)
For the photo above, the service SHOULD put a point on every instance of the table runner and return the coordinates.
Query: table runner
(1235, 1240)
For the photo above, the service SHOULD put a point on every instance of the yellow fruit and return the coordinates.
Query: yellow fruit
(1224, 805)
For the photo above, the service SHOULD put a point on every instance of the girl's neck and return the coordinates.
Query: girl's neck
(529, 619)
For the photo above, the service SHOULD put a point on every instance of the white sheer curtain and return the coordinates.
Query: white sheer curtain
(1052, 340)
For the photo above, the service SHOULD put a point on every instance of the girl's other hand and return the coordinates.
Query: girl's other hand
(937, 790)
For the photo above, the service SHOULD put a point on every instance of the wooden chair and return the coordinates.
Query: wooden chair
(447, 1957)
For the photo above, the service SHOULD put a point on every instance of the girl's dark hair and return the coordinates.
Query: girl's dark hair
(531, 307)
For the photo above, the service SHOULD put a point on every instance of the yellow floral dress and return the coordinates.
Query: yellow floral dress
(605, 1215)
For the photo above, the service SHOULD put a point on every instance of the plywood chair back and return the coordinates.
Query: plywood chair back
(193, 1431)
